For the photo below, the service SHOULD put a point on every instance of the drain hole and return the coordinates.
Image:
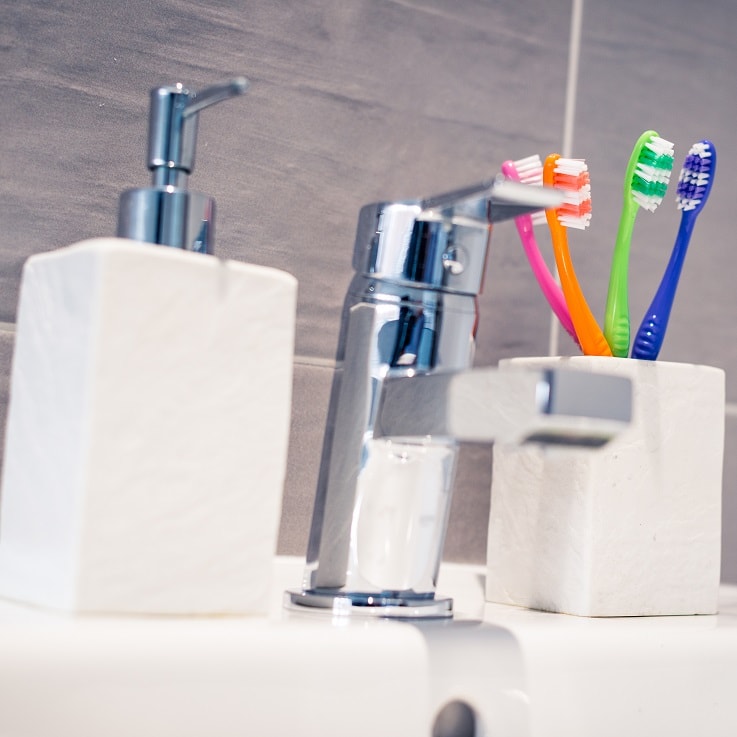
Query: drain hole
(456, 719)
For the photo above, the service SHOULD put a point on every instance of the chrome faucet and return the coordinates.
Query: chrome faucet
(404, 395)
(167, 213)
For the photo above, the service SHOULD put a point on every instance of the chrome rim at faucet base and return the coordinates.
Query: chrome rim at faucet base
(370, 605)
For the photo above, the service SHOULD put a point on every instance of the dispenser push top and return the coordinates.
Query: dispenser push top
(167, 213)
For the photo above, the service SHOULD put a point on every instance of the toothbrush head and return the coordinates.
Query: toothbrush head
(572, 176)
(649, 169)
(527, 171)
(697, 176)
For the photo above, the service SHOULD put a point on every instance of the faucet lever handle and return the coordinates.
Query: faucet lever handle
(494, 200)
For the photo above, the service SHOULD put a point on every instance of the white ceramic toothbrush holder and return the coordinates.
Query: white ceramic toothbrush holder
(630, 529)
(147, 431)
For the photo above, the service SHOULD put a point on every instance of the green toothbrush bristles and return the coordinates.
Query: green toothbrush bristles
(651, 173)
(649, 188)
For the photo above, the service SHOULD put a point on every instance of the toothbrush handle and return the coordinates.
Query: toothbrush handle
(617, 316)
(591, 339)
(650, 336)
(550, 288)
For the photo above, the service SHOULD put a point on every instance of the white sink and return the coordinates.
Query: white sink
(522, 673)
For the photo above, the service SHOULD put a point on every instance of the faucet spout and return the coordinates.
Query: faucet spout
(555, 406)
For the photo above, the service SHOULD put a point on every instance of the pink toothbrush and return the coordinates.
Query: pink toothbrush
(530, 171)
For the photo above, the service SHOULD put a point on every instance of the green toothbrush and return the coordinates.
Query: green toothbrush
(645, 183)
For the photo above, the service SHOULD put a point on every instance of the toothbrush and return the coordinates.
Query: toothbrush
(530, 171)
(694, 185)
(645, 183)
(572, 175)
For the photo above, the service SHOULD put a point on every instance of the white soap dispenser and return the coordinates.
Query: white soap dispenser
(149, 408)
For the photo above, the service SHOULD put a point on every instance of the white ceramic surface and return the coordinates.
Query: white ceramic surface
(525, 673)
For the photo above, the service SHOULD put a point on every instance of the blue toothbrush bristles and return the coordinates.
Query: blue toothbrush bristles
(694, 178)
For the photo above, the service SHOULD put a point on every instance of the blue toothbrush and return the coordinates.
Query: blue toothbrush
(694, 185)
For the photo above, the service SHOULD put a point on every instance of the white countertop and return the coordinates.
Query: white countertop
(524, 672)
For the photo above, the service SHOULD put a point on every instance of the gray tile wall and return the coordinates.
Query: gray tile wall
(352, 102)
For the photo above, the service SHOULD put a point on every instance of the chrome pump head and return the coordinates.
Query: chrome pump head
(167, 213)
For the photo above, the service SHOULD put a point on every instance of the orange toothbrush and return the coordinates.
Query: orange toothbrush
(572, 176)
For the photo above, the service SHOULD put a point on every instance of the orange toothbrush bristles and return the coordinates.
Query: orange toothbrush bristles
(572, 175)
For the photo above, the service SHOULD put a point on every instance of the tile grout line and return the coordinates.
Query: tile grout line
(314, 361)
(574, 55)
(730, 408)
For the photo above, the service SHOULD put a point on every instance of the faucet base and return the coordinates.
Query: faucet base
(370, 605)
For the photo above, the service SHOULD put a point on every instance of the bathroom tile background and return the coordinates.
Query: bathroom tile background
(353, 102)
